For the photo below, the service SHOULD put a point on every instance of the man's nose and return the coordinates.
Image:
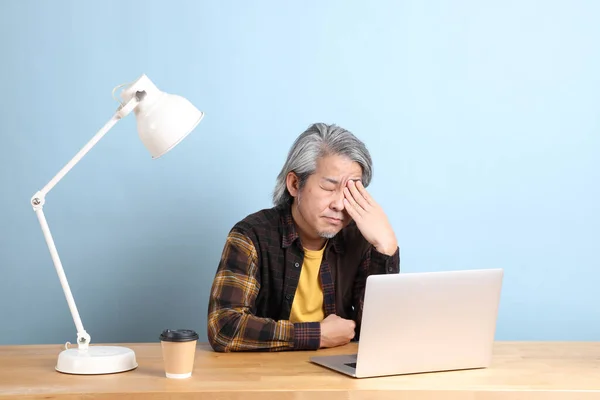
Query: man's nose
(338, 202)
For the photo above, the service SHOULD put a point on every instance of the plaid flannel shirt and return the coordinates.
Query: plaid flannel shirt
(256, 279)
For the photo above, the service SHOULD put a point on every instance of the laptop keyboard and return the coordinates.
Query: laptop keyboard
(352, 365)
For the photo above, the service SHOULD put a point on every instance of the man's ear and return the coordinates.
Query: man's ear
(293, 183)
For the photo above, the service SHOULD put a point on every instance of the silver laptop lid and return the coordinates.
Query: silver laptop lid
(425, 322)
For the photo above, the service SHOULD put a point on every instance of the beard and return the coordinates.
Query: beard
(327, 235)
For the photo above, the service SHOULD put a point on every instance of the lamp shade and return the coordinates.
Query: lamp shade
(163, 119)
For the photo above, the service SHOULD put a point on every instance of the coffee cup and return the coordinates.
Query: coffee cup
(178, 351)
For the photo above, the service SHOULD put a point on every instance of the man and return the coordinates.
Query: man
(292, 277)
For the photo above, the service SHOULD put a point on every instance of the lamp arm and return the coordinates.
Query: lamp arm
(38, 201)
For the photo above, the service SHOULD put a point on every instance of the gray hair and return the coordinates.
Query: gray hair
(318, 141)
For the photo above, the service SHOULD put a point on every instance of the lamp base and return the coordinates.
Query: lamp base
(96, 360)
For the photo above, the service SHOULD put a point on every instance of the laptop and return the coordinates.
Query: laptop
(424, 322)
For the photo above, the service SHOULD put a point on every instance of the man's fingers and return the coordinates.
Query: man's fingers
(358, 197)
(363, 191)
(352, 200)
(350, 205)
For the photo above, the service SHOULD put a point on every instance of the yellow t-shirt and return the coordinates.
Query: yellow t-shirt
(308, 301)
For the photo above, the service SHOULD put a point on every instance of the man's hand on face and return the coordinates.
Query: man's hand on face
(369, 218)
(336, 331)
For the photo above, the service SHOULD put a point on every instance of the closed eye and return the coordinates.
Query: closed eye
(329, 184)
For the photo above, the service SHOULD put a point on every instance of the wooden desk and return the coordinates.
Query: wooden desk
(529, 371)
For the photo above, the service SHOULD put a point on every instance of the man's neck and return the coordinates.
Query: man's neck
(312, 243)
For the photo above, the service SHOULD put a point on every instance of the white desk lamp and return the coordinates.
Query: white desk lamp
(163, 120)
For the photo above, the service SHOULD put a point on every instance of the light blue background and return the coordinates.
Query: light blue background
(483, 119)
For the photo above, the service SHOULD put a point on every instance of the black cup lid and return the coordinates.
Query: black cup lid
(178, 335)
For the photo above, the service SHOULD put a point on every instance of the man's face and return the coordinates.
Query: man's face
(318, 207)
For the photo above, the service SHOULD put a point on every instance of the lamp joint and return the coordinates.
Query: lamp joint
(37, 201)
(83, 340)
(140, 95)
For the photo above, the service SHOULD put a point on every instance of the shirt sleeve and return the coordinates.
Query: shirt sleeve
(373, 263)
(232, 325)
